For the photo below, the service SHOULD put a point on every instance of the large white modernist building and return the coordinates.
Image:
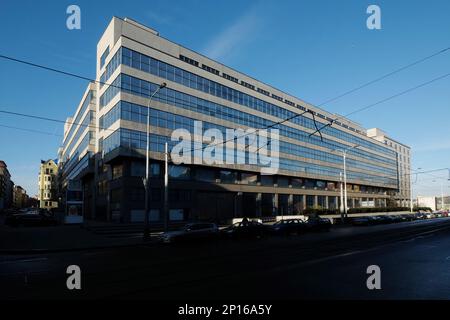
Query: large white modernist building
(104, 143)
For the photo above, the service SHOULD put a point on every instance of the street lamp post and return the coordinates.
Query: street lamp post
(344, 157)
(411, 193)
(442, 194)
(341, 207)
(166, 187)
(411, 202)
(147, 173)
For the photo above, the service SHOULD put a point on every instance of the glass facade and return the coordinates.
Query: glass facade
(164, 70)
(199, 89)
(136, 113)
(132, 139)
(310, 166)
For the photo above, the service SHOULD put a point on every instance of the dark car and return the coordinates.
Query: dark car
(397, 218)
(384, 219)
(289, 226)
(420, 216)
(191, 232)
(408, 217)
(374, 220)
(318, 224)
(246, 229)
(31, 219)
(362, 221)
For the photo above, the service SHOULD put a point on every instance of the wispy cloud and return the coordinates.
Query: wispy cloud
(232, 37)
(158, 18)
(433, 146)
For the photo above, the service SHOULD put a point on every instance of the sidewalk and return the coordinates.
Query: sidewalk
(29, 240)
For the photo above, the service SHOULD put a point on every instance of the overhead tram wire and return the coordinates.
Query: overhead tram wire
(70, 74)
(382, 101)
(51, 119)
(119, 87)
(387, 75)
(30, 130)
(282, 121)
(428, 171)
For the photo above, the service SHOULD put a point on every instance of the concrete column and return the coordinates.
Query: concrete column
(315, 201)
(275, 205)
(108, 205)
(238, 205)
(259, 204)
(326, 202)
(290, 204)
(304, 201)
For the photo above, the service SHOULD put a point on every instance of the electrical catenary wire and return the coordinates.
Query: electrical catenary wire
(285, 120)
(66, 73)
(26, 115)
(387, 75)
(30, 130)
(383, 100)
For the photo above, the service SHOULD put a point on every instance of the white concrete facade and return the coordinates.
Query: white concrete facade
(404, 164)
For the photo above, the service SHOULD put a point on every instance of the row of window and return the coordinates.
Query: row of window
(131, 139)
(161, 69)
(103, 57)
(88, 120)
(180, 172)
(189, 60)
(136, 113)
(89, 98)
(209, 69)
(228, 77)
(169, 96)
(72, 165)
(265, 92)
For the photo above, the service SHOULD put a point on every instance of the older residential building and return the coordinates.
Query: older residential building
(20, 198)
(6, 187)
(104, 142)
(47, 181)
(403, 195)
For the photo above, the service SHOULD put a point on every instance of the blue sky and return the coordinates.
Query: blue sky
(313, 49)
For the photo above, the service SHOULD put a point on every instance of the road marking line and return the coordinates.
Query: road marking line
(23, 261)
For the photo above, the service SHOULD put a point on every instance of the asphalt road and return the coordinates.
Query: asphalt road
(414, 258)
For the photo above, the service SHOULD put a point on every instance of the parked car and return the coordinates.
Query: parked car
(430, 215)
(376, 220)
(289, 226)
(400, 218)
(361, 221)
(408, 217)
(31, 218)
(318, 224)
(246, 229)
(384, 219)
(420, 216)
(191, 232)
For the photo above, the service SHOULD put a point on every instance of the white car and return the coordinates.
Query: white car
(190, 232)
